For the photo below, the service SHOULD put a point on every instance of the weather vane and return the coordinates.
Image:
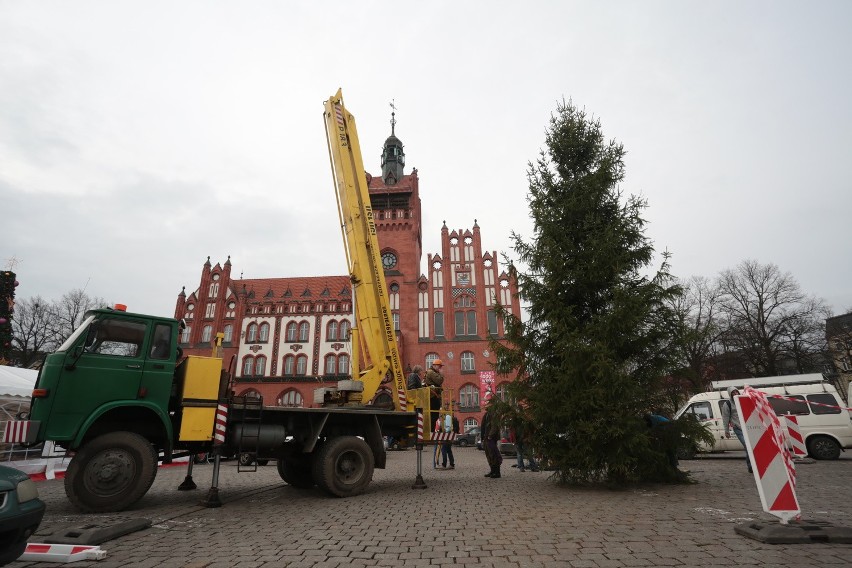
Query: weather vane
(11, 263)
(393, 115)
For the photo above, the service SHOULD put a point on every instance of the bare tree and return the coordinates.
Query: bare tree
(32, 329)
(769, 320)
(698, 329)
(68, 312)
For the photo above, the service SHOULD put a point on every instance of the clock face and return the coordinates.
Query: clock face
(388, 260)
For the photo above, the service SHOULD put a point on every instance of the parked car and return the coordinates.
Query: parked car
(507, 447)
(468, 438)
(21, 512)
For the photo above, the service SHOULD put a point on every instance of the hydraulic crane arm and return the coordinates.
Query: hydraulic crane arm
(373, 317)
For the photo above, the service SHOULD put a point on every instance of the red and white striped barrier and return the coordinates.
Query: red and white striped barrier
(773, 466)
(443, 436)
(61, 553)
(795, 441)
(419, 426)
(20, 431)
(220, 427)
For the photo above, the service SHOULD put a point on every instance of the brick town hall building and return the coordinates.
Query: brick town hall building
(284, 337)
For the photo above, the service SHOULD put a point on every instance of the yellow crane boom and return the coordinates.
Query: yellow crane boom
(373, 319)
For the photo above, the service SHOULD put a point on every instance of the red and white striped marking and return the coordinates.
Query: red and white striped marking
(794, 437)
(61, 553)
(419, 426)
(443, 436)
(221, 424)
(402, 398)
(20, 431)
(773, 466)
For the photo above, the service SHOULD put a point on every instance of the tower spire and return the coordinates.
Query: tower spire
(393, 116)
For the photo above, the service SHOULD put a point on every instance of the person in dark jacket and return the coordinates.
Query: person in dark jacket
(490, 438)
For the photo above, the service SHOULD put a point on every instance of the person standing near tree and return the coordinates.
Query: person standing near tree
(490, 437)
(521, 447)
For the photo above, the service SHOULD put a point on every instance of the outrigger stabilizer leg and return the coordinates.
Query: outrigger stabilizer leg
(212, 499)
(418, 481)
(188, 484)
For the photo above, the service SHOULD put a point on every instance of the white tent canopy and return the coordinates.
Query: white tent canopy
(15, 381)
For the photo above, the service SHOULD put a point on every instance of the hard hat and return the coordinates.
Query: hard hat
(437, 362)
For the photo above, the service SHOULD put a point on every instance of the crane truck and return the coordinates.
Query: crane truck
(118, 395)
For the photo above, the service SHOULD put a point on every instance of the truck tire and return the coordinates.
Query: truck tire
(246, 458)
(344, 466)
(296, 472)
(823, 448)
(111, 472)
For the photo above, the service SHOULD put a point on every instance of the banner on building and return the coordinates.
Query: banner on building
(486, 385)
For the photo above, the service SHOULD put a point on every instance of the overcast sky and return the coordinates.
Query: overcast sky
(139, 137)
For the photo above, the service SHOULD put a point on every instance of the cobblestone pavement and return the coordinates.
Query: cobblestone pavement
(522, 519)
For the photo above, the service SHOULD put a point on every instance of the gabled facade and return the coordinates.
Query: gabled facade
(284, 337)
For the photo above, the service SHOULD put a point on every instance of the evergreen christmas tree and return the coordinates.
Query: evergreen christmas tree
(590, 358)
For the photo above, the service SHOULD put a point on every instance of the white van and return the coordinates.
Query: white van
(826, 429)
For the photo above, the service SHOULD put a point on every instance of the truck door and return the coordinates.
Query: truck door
(108, 369)
(159, 366)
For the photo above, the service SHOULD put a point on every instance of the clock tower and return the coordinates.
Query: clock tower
(395, 199)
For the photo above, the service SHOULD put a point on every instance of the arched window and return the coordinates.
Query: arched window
(301, 365)
(260, 366)
(291, 398)
(439, 324)
(229, 333)
(304, 330)
(288, 368)
(331, 364)
(206, 333)
(343, 364)
(345, 326)
(184, 337)
(250, 393)
(501, 392)
(291, 331)
(331, 331)
(248, 366)
(264, 332)
(469, 396)
(469, 423)
(492, 322)
(467, 362)
(251, 333)
(429, 358)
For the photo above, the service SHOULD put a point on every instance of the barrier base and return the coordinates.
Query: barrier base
(796, 532)
(93, 534)
(61, 553)
(188, 484)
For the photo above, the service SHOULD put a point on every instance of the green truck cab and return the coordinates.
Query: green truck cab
(108, 394)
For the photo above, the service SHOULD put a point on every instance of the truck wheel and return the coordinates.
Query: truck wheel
(296, 472)
(111, 472)
(246, 458)
(262, 462)
(344, 466)
(823, 448)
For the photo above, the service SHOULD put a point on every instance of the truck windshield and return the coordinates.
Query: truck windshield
(77, 333)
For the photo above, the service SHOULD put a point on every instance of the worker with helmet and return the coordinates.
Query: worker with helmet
(434, 380)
